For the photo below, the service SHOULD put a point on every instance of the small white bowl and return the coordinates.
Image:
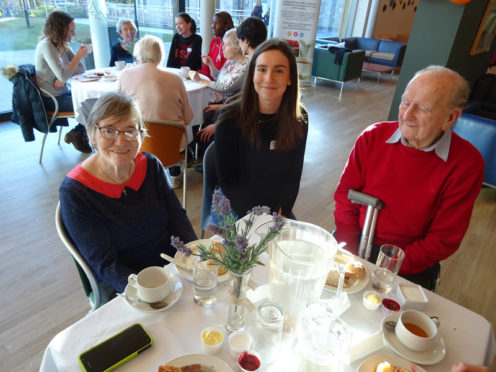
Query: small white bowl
(239, 341)
(370, 305)
(390, 305)
(412, 296)
(212, 348)
(252, 354)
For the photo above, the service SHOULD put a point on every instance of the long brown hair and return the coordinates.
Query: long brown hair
(245, 110)
(55, 28)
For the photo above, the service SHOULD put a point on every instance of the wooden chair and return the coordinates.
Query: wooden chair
(88, 279)
(164, 140)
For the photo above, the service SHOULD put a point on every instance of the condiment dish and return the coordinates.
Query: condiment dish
(239, 341)
(212, 339)
(371, 300)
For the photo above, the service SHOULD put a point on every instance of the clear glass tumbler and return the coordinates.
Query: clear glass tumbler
(204, 282)
(387, 266)
(267, 334)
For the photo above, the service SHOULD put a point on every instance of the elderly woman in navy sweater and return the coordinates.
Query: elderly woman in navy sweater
(118, 205)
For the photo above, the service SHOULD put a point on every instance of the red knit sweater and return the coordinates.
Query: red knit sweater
(427, 202)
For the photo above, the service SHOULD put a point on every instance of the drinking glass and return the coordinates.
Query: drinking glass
(204, 282)
(386, 267)
(267, 335)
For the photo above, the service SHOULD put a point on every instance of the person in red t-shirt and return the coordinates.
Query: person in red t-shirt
(222, 22)
(427, 176)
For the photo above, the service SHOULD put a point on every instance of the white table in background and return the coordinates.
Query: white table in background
(469, 336)
(198, 94)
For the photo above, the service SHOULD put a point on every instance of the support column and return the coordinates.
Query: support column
(207, 11)
(97, 14)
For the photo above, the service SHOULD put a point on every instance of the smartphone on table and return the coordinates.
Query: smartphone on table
(116, 350)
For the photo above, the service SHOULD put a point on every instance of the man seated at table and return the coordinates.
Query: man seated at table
(427, 176)
(161, 95)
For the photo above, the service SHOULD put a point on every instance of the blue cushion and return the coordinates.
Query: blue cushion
(480, 132)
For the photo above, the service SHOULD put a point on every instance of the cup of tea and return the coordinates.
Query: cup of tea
(89, 48)
(185, 71)
(120, 65)
(151, 283)
(417, 331)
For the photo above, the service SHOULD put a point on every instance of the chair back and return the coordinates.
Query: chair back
(164, 141)
(90, 284)
(209, 185)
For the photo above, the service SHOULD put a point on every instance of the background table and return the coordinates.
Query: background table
(199, 95)
(176, 331)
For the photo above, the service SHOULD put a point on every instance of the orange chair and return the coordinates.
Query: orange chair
(164, 140)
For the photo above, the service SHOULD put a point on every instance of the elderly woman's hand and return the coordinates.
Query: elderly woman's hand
(195, 76)
(58, 84)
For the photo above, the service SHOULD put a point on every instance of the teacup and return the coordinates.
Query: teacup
(89, 48)
(417, 331)
(120, 65)
(151, 283)
(185, 71)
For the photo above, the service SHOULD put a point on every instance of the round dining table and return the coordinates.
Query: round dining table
(85, 86)
(176, 331)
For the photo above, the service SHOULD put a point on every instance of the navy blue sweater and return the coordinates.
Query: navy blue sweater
(121, 229)
(119, 54)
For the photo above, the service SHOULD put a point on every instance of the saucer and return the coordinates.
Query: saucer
(428, 357)
(174, 295)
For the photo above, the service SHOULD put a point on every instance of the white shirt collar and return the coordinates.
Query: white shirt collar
(441, 147)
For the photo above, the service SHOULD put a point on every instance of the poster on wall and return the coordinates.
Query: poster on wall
(296, 22)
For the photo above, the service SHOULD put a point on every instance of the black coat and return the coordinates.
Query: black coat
(27, 104)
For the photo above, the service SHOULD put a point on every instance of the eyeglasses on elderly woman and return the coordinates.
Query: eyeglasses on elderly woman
(130, 134)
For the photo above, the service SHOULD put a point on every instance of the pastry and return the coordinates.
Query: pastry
(217, 248)
(333, 279)
(188, 368)
(355, 270)
(387, 367)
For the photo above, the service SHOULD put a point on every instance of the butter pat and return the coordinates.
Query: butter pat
(373, 298)
(412, 296)
(211, 337)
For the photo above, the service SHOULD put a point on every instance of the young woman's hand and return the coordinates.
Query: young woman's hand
(207, 132)
(58, 84)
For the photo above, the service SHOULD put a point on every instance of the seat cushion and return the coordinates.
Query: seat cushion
(380, 55)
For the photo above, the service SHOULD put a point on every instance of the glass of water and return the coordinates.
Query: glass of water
(386, 268)
(204, 282)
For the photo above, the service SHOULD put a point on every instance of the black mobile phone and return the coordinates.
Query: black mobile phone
(116, 350)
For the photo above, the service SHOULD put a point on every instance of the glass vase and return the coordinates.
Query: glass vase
(237, 307)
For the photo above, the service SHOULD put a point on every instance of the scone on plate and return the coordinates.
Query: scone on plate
(217, 248)
(387, 367)
(355, 270)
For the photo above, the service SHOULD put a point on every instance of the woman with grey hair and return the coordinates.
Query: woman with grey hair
(161, 95)
(228, 81)
(117, 205)
(123, 50)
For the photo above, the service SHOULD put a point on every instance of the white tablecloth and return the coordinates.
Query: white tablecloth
(198, 94)
(469, 337)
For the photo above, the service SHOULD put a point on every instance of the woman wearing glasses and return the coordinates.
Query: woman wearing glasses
(117, 205)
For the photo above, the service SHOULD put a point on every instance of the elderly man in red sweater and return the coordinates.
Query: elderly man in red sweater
(427, 176)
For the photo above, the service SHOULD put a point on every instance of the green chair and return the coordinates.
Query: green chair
(324, 66)
(90, 285)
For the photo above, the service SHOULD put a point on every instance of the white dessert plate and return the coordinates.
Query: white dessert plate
(174, 295)
(371, 363)
(343, 258)
(210, 363)
(428, 357)
(85, 79)
(188, 261)
(109, 78)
